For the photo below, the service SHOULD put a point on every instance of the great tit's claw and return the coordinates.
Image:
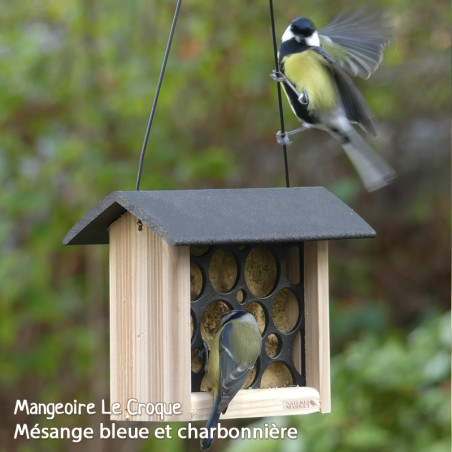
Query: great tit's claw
(283, 138)
(277, 76)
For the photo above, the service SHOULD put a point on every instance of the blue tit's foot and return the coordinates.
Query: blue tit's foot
(278, 76)
(201, 355)
(283, 138)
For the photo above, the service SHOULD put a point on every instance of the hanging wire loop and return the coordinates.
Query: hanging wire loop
(281, 115)
(159, 85)
(157, 92)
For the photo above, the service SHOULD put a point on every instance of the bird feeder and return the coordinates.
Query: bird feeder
(179, 259)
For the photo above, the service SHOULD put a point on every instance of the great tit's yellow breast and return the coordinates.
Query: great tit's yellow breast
(308, 71)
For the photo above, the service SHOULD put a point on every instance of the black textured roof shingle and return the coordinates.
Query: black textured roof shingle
(249, 215)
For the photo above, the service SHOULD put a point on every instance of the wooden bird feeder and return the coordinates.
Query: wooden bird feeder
(179, 259)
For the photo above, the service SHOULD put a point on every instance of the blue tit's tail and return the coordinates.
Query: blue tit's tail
(212, 423)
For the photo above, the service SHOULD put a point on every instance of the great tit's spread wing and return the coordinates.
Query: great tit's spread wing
(357, 41)
(354, 103)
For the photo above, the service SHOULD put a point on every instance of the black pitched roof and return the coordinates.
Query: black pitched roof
(250, 215)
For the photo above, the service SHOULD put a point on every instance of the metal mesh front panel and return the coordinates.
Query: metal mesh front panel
(266, 280)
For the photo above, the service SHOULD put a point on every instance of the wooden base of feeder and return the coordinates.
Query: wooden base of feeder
(260, 402)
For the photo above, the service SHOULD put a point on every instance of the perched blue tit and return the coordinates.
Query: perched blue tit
(235, 349)
(314, 67)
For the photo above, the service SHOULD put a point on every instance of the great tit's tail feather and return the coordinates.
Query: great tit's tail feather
(211, 423)
(374, 171)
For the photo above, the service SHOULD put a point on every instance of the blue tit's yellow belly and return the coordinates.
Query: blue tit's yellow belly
(308, 71)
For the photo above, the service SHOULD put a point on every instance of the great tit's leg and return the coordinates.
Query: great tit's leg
(283, 138)
(279, 76)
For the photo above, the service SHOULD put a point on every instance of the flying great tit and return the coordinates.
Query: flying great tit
(314, 67)
(235, 349)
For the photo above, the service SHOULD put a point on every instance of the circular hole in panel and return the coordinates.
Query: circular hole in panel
(195, 281)
(222, 270)
(192, 325)
(250, 380)
(272, 345)
(276, 375)
(260, 271)
(197, 360)
(292, 267)
(296, 352)
(240, 296)
(285, 310)
(211, 320)
(199, 250)
(256, 310)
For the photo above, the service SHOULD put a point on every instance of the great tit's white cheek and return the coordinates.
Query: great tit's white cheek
(288, 35)
(313, 40)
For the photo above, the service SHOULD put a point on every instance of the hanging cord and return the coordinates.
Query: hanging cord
(157, 92)
(281, 115)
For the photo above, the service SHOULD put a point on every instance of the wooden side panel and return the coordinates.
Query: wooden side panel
(317, 321)
(176, 328)
(149, 321)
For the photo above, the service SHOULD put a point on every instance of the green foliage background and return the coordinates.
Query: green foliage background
(77, 79)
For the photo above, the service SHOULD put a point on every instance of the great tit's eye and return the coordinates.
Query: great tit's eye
(296, 34)
(303, 32)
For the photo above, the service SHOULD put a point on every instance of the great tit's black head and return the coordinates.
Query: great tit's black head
(302, 26)
(303, 31)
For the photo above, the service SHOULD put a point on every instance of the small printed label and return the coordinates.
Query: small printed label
(299, 404)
